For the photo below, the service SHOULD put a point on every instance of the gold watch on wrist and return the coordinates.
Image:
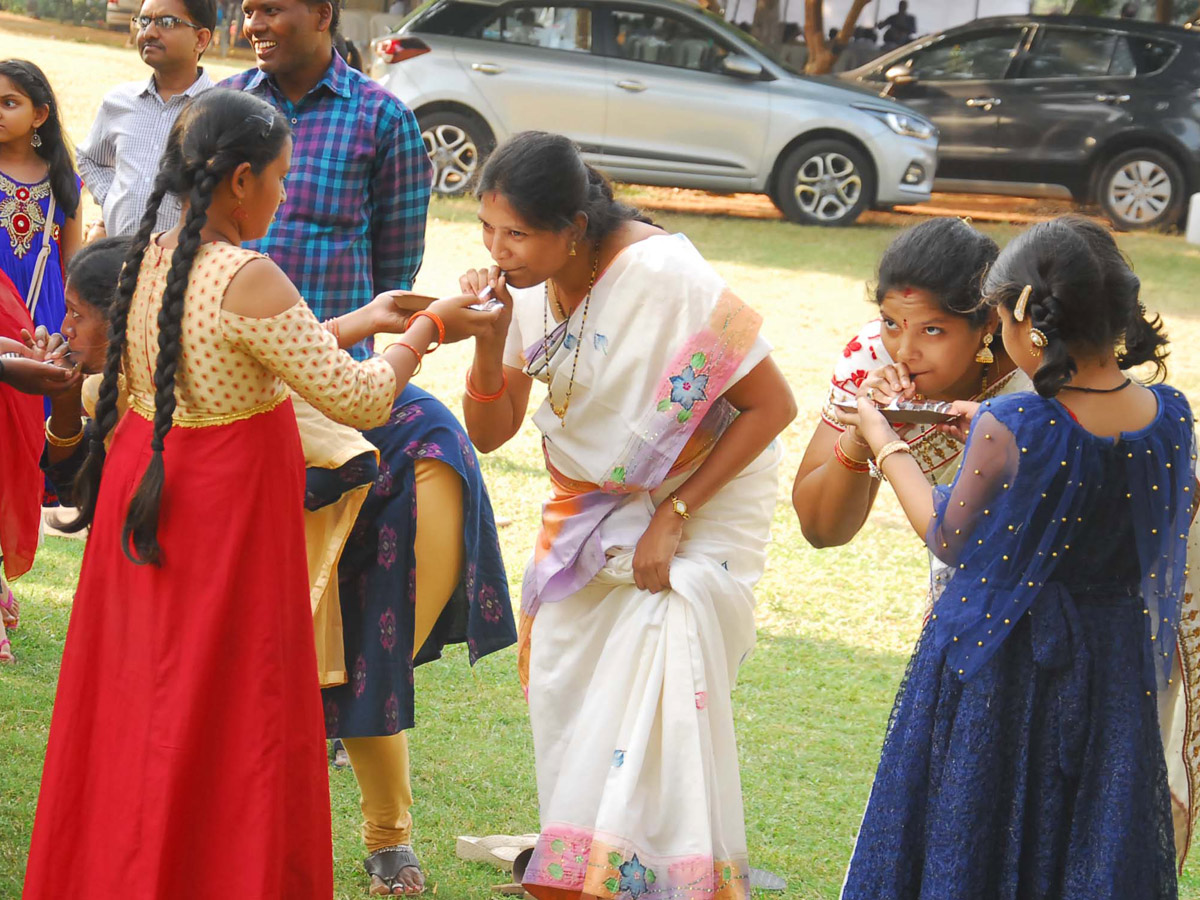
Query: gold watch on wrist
(679, 507)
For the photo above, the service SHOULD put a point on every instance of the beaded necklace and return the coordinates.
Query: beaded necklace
(561, 412)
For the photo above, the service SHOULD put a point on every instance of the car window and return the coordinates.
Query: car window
(552, 27)
(1149, 56)
(1078, 53)
(967, 57)
(450, 18)
(666, 40)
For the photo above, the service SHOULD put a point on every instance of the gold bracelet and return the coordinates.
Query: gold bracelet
(888, 449)
(55, 441)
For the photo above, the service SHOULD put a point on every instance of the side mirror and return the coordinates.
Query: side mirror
(900, 74)
(741, 66)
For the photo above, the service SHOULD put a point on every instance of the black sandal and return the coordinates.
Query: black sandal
(385, 864)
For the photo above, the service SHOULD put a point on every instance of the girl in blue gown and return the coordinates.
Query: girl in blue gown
(1023, 757)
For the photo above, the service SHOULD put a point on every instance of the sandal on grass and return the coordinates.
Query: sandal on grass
(10, 611)
(6, 654)
(384, 867)
(497, 850)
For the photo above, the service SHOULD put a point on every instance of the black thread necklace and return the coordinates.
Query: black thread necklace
(1087, 390)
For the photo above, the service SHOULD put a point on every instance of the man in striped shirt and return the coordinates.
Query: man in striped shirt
(353, 224)
(119, 158)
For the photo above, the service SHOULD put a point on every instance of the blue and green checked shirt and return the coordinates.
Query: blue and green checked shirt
(353, 224)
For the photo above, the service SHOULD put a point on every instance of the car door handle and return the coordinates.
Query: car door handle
(487, 68)
(634, 87)
(984, 103)
(1112, 98)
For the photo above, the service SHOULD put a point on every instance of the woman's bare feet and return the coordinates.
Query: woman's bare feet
(10, 609)
(6, 654)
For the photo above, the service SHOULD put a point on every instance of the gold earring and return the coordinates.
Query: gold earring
(571, 251)
(1022, 302)
(985, 354)
(1037, 338)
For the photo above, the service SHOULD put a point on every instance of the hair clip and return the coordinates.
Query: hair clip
(268, 121)
(1022, 303)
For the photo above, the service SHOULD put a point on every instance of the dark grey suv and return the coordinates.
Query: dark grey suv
(1106, 110)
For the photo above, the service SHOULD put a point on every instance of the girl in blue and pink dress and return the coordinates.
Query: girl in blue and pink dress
(37, 183)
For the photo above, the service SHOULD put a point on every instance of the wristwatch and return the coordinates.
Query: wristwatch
(679, 507)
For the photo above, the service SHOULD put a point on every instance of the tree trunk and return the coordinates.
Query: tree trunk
(767, 25)
(820, 56)
(1164, 12)
(851, 22)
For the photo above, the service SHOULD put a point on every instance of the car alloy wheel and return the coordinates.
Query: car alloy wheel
(1140, 192)
(828, 186)
(454, 155)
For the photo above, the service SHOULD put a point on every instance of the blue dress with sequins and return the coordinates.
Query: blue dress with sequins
(1023, 758)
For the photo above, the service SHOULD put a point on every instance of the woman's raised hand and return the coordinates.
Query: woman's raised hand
(888, 383)
(475, 281)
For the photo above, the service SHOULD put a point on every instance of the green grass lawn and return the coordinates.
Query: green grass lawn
(835, 626)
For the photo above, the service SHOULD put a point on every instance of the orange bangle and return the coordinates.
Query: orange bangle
(437, 322)
(480, 397)
(847, 460)
(413, 350)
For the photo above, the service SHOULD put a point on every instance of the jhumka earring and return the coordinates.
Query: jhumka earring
(985, 354)
(1022, 302)
(1037, 338)
(36, 140)
(571, 251)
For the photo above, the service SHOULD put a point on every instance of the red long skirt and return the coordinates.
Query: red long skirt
(186, 754)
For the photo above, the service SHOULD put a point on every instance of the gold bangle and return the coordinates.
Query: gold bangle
(55, 441)
(888, 449)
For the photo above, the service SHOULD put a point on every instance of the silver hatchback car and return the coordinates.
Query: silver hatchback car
(654, 92)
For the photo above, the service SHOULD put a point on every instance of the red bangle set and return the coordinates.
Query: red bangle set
(437, 323)
(847, 460)
(480, 397)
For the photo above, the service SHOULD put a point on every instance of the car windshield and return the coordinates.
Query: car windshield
(733, 31)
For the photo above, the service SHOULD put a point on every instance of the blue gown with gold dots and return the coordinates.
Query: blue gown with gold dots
(1023, 758)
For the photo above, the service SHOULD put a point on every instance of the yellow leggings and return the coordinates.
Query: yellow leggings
(381, 763)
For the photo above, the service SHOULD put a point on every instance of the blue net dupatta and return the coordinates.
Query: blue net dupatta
(1007, 523)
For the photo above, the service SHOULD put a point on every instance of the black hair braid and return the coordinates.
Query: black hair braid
(87, 481)
(1058, 367)
(139, 538)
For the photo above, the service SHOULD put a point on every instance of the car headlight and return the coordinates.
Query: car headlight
(903, 123)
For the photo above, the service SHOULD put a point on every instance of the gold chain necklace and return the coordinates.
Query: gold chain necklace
(561, 412)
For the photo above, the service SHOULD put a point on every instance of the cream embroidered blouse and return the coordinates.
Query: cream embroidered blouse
(233, 367)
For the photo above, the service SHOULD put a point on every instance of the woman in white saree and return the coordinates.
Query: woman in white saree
(659, 428)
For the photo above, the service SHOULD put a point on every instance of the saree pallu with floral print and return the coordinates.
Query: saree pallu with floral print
(629, 692)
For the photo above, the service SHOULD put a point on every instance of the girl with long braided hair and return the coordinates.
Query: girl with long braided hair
(186, 749)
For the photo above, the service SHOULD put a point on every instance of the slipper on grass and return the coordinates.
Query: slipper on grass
(499, 850)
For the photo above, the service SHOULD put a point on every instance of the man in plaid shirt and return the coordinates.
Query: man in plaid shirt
(353, 223)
